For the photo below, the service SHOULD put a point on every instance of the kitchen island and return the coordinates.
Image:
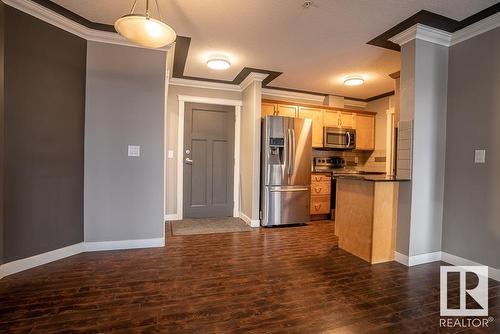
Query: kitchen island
(366, 216)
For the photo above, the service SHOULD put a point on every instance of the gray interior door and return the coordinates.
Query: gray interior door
(208, 161)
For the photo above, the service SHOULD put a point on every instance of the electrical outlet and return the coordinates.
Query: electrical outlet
(170, 154)
(134, 151)
(480, 156)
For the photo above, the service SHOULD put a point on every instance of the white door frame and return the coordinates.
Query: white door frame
(180, 148)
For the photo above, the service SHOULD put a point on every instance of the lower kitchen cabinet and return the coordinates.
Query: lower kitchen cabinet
(320, 193)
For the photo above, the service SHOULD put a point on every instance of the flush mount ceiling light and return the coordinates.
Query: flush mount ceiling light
(143, 30)
(218, 62)
(354, 80)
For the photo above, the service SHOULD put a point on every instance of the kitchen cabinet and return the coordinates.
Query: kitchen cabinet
(324, 116)
(286, 110)
(337, 119)
(316, 115)
(320, 194)
(365, 132)
(268, 109)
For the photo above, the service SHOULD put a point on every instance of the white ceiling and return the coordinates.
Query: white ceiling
(314, 48)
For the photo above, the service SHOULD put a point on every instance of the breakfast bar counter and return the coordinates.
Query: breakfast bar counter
(366, 216)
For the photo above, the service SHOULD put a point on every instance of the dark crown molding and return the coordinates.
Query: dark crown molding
(432, 20)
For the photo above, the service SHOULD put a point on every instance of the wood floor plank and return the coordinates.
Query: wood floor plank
(282, 280)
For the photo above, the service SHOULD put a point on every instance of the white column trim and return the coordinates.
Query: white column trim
(180, 147)
(204, 84)
(422, 32)
(253, 76)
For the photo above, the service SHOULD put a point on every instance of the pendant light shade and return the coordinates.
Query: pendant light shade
(144, 30)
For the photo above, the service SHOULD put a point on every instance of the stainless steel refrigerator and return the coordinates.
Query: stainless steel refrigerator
(286, 170)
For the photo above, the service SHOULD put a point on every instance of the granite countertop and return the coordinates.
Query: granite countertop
(372, 178)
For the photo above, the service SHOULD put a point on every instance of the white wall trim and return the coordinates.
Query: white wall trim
(204, 84)
(354, 103)
(415, 260)
(458, 261)
(13, 267)
(277, 93)
(40, 259)
(58, 20)
(171, 217)
(401, 258)
(180, 147)
(123, 244)
(253, 76)
(246, 219)
(478, 28)
(423, 32)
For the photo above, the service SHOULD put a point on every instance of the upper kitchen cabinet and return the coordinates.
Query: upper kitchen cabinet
(268, 109)
(316, 115)
(286, 110)
(365, 132)
(337, 119)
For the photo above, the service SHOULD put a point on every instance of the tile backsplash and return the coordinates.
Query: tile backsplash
(369, 161)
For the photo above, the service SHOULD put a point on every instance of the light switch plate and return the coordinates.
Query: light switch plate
(134, 151)
(480, 156)
(170, 154)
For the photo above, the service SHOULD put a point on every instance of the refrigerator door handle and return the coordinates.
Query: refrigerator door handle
(285, 190)
(291, 151)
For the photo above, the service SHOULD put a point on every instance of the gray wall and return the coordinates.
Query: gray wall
(125, 106)
(44, 128)
(471, 227)
(172, 133)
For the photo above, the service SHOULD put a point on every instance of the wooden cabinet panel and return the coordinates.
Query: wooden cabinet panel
(347, 120)
(320, 205)
(268, 109)
(365, 132)
(287, 111)
(320, 188)
(331, 119)
(316, 115)
(320, 178)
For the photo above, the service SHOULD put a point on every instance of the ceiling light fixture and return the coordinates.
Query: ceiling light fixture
(143, 30)
(354, 80)
(218, 62)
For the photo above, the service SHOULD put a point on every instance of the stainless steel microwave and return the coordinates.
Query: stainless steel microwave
(339, 138)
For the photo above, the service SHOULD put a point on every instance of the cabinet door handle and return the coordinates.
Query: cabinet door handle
(317, 190)
(317, 206)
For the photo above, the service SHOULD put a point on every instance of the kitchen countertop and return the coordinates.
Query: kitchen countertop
(371, 177)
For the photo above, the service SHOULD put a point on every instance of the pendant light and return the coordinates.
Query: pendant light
(143, 30)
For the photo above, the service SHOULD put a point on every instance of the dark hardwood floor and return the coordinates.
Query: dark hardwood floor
(293, 280)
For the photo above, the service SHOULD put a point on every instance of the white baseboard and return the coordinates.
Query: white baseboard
(252, 223)
(40, 259)
(458, 261)
(123, 244)
(171, 217)
(401, 258)
(415, 260)
(57, 254)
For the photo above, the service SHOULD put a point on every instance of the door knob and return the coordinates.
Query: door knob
(189, 161)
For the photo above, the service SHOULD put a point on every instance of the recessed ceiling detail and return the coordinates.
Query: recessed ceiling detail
(305, 50)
